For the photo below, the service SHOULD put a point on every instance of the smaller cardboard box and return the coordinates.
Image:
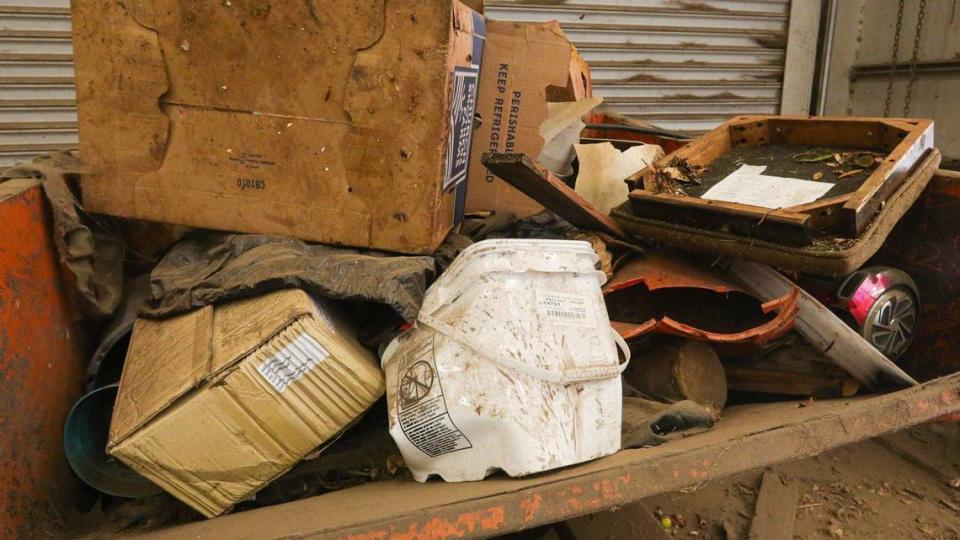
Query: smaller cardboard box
(216, 403)
(525, 65)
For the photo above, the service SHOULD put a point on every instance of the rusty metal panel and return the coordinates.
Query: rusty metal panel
(748, 437)
(42, 356)
(686, 66)
(37, 99)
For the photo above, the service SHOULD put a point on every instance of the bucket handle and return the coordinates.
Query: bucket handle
(564, 377)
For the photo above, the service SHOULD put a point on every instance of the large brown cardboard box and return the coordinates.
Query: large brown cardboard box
(337, 122)
(525, 65)
(216, 403)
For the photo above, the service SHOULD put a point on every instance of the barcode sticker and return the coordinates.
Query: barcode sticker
(292, 362)
(566, 309)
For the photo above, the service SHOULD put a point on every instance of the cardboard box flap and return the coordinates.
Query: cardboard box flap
(239, 328)
(169, 358)
(517, 73)
(165, 360)
(525, 65)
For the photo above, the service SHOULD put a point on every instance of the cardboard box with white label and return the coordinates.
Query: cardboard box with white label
(215, 403)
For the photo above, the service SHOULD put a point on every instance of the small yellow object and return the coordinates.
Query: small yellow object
(817, 175)
(666, 522)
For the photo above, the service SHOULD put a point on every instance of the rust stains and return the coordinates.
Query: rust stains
(464, 525)
(42, 357)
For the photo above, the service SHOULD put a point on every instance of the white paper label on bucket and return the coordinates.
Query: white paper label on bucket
(566, 309)
(292, 362)
(422, 409)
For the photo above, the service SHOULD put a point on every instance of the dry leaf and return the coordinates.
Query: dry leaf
(812, 157)
(863, 161)
(817, 175)
(675, 173)
(850, 173)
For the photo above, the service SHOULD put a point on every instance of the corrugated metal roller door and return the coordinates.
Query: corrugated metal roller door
(682, 65)
(37, 101)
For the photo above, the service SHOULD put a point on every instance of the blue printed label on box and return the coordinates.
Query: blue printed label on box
(463, 107)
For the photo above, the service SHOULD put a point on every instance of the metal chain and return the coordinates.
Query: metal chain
(913, 59)
(893, 60)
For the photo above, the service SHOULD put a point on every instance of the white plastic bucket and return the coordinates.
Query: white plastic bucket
(512, 365)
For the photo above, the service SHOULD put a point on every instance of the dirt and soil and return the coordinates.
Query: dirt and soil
(892, 487)
(781, 160)
(904, 486)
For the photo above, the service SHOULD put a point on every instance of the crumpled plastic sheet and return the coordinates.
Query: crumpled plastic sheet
(92, 253)
(210, 268)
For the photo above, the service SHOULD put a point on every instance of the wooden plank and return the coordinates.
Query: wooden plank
(906, 140)
(776, 510)
(749, 131)
(809, 259)
(794, 371)
(535, 181)
(853, 131)
(820, 204)
(825, 213)
(757, 435)
(887, 178)
(754, 221)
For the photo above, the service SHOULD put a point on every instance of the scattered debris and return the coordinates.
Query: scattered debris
(850, 173)
(672, 293)
(251, 378)
(846, 163)
(603, 168)
(776, 508)
(835, 531)
(678, 171)
(822, 328)
(628, 522)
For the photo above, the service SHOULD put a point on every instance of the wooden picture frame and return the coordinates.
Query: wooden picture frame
(904, 141)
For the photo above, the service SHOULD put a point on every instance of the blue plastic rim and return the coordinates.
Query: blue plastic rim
(85, 442)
